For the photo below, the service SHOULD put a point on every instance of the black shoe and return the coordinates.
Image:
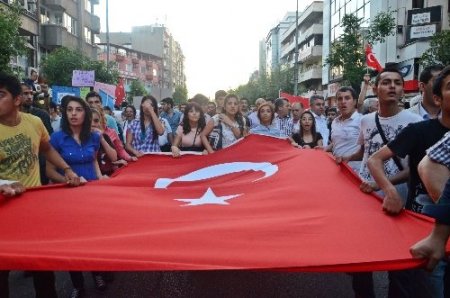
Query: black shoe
(99, 283)
(77, 293)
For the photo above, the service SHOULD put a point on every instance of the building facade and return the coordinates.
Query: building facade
(310, 40)
(71, 24)
(157, 41)
(417, 21)
(133, 65)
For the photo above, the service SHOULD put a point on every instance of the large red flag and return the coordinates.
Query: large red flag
(371, 60)
(293, 98)
(260, 204)
(119, 93)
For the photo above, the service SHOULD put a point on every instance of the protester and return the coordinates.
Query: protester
(243, 106)
(253, 116)
(317, 107)
(266, 116)
(202, 101)
(189, 134)
(111, 153)
(282, 119)
(55, 118)
(212, 109)
(23, 136)
(219, 98)
(297, 110)
(434, 171)
(345, 127)
(129, 116)
(308, 137)
(172, 116)
(95, 101)
(11, 189)
(142, 134)
(427, 108)
(163, 140)
(228, 126)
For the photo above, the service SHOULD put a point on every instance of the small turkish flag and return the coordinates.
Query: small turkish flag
(371, 60)
(120, 92)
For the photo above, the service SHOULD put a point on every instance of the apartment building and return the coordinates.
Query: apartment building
(71, 24)
(310, 40)
(158, 41)
(133, 65)
(30, 30)
(417, 21)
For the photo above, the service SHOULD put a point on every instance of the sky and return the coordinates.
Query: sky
(219, 39)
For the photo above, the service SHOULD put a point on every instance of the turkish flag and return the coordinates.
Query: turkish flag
(259, 204)
(120, 92)
(293, 98)
(371, 60)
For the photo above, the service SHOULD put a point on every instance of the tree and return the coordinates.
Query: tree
(347, 53)
(438, 52)
(12, 44)
(137, 88)
(58, 66)
(180, 95)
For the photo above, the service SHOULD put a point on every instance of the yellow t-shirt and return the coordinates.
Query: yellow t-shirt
(19, 148)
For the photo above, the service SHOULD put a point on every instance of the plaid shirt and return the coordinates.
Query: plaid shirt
(440, 152)
(285, 125)
(143, 142)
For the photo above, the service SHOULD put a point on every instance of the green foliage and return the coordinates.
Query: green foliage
(438, 51)
(137, 88)
(382, 26)
(12, 44)
(347, 52)
(180, 95)
(59, 65)
(267, 86)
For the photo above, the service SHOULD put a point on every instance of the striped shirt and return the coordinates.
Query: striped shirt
(285, 125)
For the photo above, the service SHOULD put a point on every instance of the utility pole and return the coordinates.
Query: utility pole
(296, 53)
(107, 35)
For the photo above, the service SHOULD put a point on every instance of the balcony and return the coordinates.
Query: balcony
(311, 53)
(316, 29)
(95, 24)
(57, 36)
(120, 57)
(149, 63)
(134, 58)
(149, 76)
(55, 4)
(313, 73)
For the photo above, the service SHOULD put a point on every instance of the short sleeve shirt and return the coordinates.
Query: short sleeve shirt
(19, 149)
(440, 152)
(80, 157)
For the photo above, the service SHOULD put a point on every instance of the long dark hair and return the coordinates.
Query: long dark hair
(85, 133)
(238, 117)
(201, 121)
(313, 127)
(141, 116)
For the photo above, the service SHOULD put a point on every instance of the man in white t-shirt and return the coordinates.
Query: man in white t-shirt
(389, 90)
(345, 127)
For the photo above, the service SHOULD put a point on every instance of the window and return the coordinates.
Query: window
(417, 4)
(45, 19)
(87, 5)
(87, 35)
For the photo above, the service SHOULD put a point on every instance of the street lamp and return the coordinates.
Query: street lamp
(296, 53)
(107, 35)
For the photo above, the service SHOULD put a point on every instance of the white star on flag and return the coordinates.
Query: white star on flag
(209, 198)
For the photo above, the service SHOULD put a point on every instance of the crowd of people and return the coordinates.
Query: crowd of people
(402, 154)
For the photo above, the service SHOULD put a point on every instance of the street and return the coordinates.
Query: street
(209, 284)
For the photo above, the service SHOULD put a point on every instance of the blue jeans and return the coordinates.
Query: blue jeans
(417, 282)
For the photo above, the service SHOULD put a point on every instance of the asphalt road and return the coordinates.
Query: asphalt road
(208, 284)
